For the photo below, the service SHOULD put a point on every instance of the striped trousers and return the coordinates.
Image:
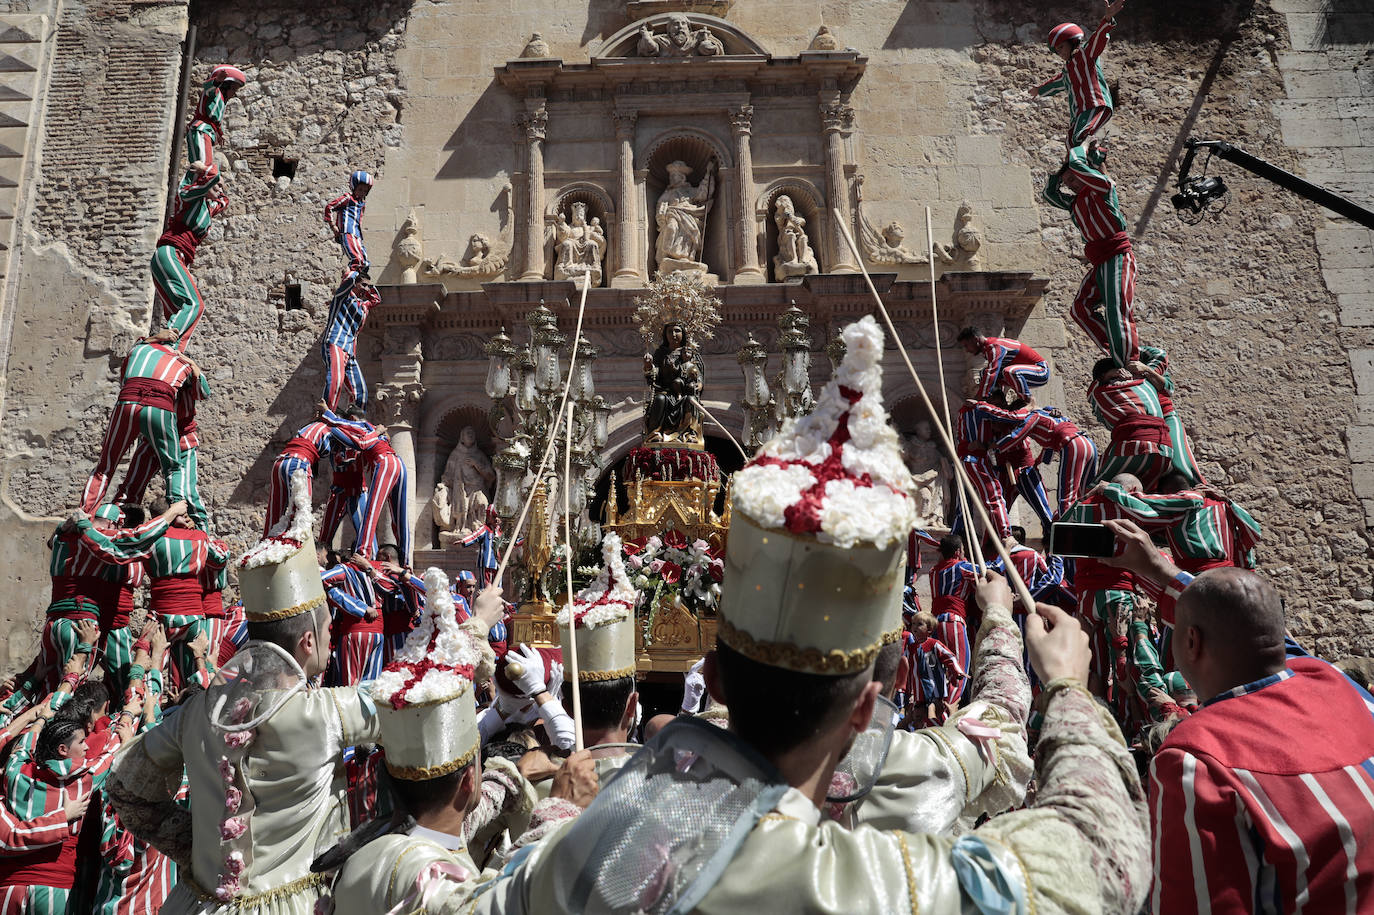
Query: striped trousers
(33, 900)
(144, 465)
(119, 654)
(354, 251)
(1031, 487)
(952, 631)
(1021, 378)
(388, 486)
(989, 490)
(56, 646)
(1148, 466)
(182, 630)
(1183, 458)
(1111, 285)
(1077, 467)
(279, 496)
(200, 144)
(128, 422)
(1096, 610)
(359, 657)
(177, 293)
(341, 369)
(1087, 123)
(340, 504)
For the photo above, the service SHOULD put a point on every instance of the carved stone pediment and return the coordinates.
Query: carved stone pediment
(680, 35)
(642, 9)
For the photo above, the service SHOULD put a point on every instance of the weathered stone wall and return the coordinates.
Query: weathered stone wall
(407, 91)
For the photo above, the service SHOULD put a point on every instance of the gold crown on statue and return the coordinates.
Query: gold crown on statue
(424, 695)
(604, 611)
(677, 298)
(817, 547)
(280, 577)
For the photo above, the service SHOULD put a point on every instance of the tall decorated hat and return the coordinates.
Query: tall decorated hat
(280, 577)
(604, 612)
(817, 547)
(424, 696)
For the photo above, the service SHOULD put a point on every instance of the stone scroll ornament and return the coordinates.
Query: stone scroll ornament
(678, 39)
(483, 257)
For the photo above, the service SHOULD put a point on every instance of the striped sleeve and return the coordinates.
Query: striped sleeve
(18, 836)
(1055, 196)
(1097, 41)
(1053, 86)
(1202, 838)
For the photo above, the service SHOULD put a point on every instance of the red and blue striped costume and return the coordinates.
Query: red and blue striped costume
(1184, 460)
(485, 539)
(402, 607)
(344, 216)
(951, 588)
(143, 465)
(302, 452)
(1054, 432)
(1018, 473)
(347, 314)
(974, 431)
(146, 407)
(1263, 800)
(936, 674)
(357, 647)
(176, 566)
(1140, 437)
(1011, 364)
(387, 485)
(1096, 211)
(347, 493)
(1040, 575)
(1090, 100)
(174, 287)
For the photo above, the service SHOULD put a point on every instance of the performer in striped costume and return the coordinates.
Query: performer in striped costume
(146, 407)
(302, 452)
(352, 589)
(199, 198)
(143, 465)
(403, 600)
(344, 216)
(1012, 365)
(485, 539)
(206, 129)
(937, 674)
(1054, 432)
(353, 299)
(347, 493)
(1261, 800)
(1090, 100)
(1154, 368)
(978, 425)
(176, 566)
(388, 482)
(1041, 575)
(1018, 473)
(1130, 408)
(1090, 197)
(952, 581)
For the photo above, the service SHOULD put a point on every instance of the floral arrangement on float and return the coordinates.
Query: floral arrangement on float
(670, 567)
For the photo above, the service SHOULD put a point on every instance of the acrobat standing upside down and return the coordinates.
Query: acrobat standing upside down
(1090, 99)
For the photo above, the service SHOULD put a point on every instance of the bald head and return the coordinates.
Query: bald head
(1129, 482)
(1236, 619)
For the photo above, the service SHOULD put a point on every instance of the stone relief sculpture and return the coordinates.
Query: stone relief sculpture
(825, 40)
(482, 258)
(678, 40)
(933, 474)
(409, 250)
(795, 257)
(966, 241)
(881, 246)
(536, 47)
(681, 217)
(578, 245)
(464, 490)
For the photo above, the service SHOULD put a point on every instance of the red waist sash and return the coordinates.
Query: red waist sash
(1104, 249)
(181, 595)
(1147, 429)
(150, 392)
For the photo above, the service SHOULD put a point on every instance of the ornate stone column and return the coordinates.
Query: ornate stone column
(399, 399)
(628, 274)
(749, 272)
(533, 123)
(836, 118)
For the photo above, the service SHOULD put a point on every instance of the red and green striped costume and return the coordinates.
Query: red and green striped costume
(143, 466)
(174, 287)
(1140, 437)
(1203, 532)
(177, 564)
(1184, 461)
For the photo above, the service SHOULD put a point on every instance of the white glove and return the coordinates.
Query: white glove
(693, 686)
(530, 682)
(555, 679)
(514, 709)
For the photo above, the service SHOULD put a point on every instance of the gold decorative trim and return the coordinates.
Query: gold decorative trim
(597, 676)
(273, 616)
(806, 660)
(260, 899)
(425, 773)
(910, 874)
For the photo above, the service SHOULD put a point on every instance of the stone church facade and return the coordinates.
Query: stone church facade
(495, 130)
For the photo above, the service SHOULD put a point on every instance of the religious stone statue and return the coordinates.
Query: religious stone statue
(675, 373)
(678, 40)
(409, 249)
(579, 245)
(464, 491)
(933, 474)
(966, 240)
(681, 218)
(795, 257)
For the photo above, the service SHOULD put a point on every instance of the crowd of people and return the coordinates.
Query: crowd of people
(350, 736)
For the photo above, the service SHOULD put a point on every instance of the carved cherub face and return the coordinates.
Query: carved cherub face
(893, 233)
(468, 437)
(479, 245)
(679, 30)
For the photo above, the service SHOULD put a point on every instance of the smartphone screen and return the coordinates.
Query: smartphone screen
(1089, 540)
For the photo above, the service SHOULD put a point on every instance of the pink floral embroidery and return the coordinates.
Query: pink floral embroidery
(226, 769)
(232, 828)
(238, 739)
(233, 863)
(241, 710)
(228, 888)
(232, 798)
